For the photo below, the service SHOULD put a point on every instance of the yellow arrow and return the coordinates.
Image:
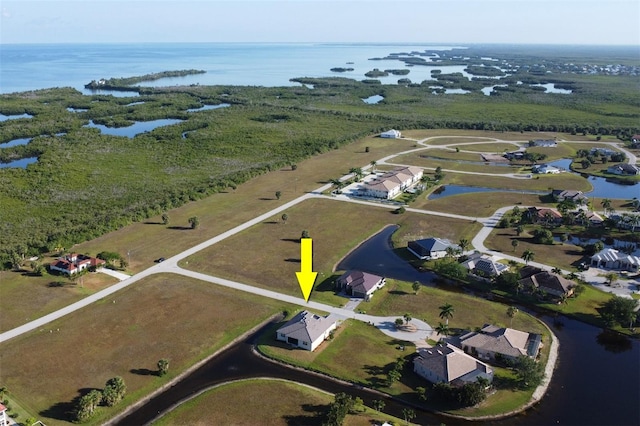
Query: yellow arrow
(306, 277)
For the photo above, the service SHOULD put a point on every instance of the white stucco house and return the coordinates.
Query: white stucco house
(507, 342)
(391, 134)
(610, 258)
(4, 419)
(430, 248)
(448, 364)
(307, 330)
(392, 183)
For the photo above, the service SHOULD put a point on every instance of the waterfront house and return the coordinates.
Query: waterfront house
(545, 143)
(431, 248)
(624, 169)
(610, 258)
(391, 134)
(544, 169)
(307, 330)
(492, 341)
(484, 265)
(448, 364)
(359, 284)
(533, 278)
(544, 215)
(576, 197)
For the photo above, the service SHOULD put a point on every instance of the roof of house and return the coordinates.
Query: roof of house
(307, 326)
(2, 408)
(385, 185)
(567, 193)
(542, 212)
(484, 263)
(435, 244)
(612, 255)
(410, 170)
(625, 167)
(594, 217)
(506, 341)
(547, 280)
(449, 362)
(360, 282)
(64, 264)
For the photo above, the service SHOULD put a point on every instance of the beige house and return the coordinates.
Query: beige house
(391, 184)
(448, 364)
(505, 342)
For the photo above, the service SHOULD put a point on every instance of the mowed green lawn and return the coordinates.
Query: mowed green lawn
(267, 255)
(163, 316)
(266, 402)
(358, 353)
(484, 203)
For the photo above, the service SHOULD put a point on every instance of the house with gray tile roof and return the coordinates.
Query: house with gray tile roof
(431, 248)
(307, 330)
(359, 284)
(484, 265)
(448, 364)
(534, 278)
(610, 258)
(507, 342)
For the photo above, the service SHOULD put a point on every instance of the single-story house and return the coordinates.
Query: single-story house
(307, 330)
(544, 215)
(569, 194)
(547, 143)
(359, 284)
(431, 248)
(484, 265)
(624, 169)
(74, 263)
(391, 134)
(594, 219)
(448, 364)
(544, 169)
(602, 151)
(514, 155)
(610, 258)
(392, 183)
(635, 141)
(507, 342)
(533, 278)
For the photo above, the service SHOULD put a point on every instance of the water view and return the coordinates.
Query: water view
(372, 100)
(135, 129)
(208, 107)
(14, 117)
(15, 142)
(22, 163)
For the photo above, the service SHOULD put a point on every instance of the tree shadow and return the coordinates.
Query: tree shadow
(291, 240)
(150, 222)
(179, 228)
(66, 411)
(143, 372)
(613, 342)
(266, 198)
(292, 260)
(398, 292)
(271, 222)
(316, 417)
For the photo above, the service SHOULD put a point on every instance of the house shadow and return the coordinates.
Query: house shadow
(143, 372)
(65, 411)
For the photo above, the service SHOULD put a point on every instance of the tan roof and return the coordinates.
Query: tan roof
(506, 341)
(449, 362)
(306, 326)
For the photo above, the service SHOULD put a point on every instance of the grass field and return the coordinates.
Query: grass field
(416, 160)
(376, 352)
(163, 316)
(491, 147)
(484, 204)
(25, 297)
(272, 402)
(537, 183)
(336, 228)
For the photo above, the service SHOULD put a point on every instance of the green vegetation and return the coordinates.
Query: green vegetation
(124, 83)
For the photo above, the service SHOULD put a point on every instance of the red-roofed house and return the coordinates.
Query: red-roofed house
(4, 421)
(359, 284)
(74, 263)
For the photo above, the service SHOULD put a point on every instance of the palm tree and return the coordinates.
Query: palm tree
(415, 286)
(451, 251)
(611, 277)
(464, 244)
(519, 230)
(378, 404)
(194, 222)
(527, 256)
(557, 271)
(285, 217)
(606, 204)
(446, 312)
(442, 329)
(373, 166)
(511, 312)
(407, 318)
(278, 194)
(163, 367)
(514, 244)
(409, 414)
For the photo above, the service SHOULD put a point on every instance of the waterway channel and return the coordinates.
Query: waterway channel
(597, 380)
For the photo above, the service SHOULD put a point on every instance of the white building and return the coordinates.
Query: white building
(392, 183)
(307, 330)
(391, 134)
(615, 259)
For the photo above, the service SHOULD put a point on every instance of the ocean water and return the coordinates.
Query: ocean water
(38, 66)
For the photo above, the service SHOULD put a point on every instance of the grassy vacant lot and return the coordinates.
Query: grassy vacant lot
(491, 147)
(564, 256)
(450, 154)
(470, 312)
(165, 316)
(484, 203)
(336, 228)
(537, 183)
(25, 297)
(416, 160)
(359, 353)
(477, 135)
(272, 402)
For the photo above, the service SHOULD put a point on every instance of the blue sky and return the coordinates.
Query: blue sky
(426, 21)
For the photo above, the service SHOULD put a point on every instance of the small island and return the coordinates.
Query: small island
(341, 69)
(125, 83)
(376, 73)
